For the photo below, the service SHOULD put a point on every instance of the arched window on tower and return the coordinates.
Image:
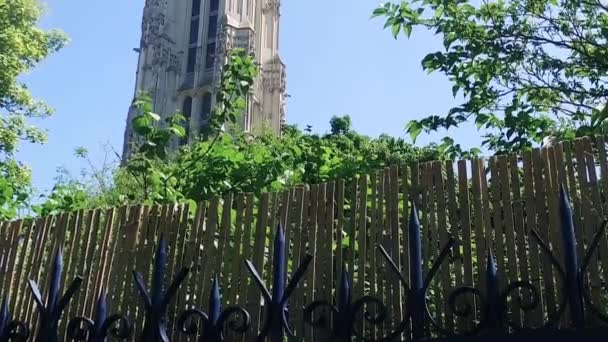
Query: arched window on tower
(214, 5)
(187, 112)
(193, 37)
(212, 34)
(196, 8)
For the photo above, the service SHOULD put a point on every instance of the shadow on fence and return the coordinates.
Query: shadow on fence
(342, 318)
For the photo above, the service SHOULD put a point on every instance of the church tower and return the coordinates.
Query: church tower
(183, 47)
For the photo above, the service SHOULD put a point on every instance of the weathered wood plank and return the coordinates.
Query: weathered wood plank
(542, 227)
(396, 243)
(531, 223)
(253, 294)
(362, 237)
(467, 237)
(442, 230)
(510, 229)
(479, 233)
(587, 212)
(521, 235)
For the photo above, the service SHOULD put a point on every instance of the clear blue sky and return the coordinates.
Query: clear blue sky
(339, 61)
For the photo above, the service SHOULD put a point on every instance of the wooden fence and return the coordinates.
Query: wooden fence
(481, 204)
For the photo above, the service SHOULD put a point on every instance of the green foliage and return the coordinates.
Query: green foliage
(241, 162)
(231, 99)
(22, 46)
(229, 162)
(340, 125)
(63, 198)
(525, 68)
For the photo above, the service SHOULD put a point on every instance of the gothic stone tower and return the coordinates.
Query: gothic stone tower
(183, 47)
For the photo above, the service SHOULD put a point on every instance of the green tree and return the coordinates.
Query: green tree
(526, 69)
(22, 46)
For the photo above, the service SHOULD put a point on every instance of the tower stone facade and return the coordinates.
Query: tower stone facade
(183, 47)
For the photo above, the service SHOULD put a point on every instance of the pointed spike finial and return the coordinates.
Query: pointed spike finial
(416, 276)
(279, 277)
(493, 292)
(491, 263)
(159, 270)
(344, 295)
(214, 301)
(57, 270)
(571, 259)
(416, 280)
(101, 312)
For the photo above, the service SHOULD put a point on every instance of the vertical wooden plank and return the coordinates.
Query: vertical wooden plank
(270, 234)
(329, 226)
(101, 259)
(74, 254)
(14, 233)
(38, 253)
(542, 227)
(405, 213)
(128, 233)
(313, 231)
(154, 221)
(362, 238)
(588, 214)
(465, 222)
(196, 254)
(531, 223)
(384, 212)
(210, 252)
(307, 246)
(455, 231)
(114, 259)
(339, 229)
(521, 234)
(323, 275)
(297, 255)
(182, 228)
(498, 245)
(552, 191)
(446, 271)
(574, 192)
(3, 248)
(376, 272)
(600, 142)
(396, 242)
(352, 226)
(479, 233)
(432, 238)
(509, 224)
(22, 270)
(236, 252)
(253, 304)
(224, 239)
(87, 266)
(78, 257)
(19, 287)
(320, 251)
(465, 228)
(380, 230)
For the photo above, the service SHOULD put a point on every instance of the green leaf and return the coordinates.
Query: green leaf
(154, 116)
(407, 29)
(142, 125)
(396, 29)
(379, 11)
(414, 128)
